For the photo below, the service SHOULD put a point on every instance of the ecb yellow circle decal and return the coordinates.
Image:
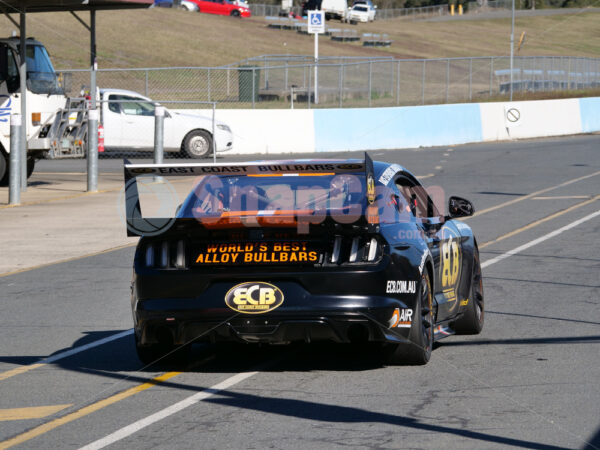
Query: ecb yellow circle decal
(254, 297)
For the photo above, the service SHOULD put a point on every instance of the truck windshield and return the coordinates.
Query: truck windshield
(41, 77)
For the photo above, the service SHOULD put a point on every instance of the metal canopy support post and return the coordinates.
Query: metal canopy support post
(14, 194)
(23, 77)
(92, 156)
(159, 136)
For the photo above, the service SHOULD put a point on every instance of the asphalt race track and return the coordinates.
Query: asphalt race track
(530, 380)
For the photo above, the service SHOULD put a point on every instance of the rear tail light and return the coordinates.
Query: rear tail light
(166, 255)
(372, 250)
(355, 250)
(150, 256)
(335, 253)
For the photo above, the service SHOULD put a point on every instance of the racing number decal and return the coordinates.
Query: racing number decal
(450, 263)
(450, 266)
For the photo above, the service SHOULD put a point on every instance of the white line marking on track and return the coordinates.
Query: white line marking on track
(539, 240)
(62, 355)
(169, 411)
(85, 347)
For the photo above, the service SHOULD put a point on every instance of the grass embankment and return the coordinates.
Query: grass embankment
(163, 37)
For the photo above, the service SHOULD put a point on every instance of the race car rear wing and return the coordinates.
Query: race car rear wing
(140, 226)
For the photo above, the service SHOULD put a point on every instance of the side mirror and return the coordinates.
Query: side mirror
(459, 207)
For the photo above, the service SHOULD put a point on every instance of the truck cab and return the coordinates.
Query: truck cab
(45, 95)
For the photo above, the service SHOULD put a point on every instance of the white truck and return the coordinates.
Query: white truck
(335, 9)
(45, 96)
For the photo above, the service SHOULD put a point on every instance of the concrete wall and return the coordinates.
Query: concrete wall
(318, 130)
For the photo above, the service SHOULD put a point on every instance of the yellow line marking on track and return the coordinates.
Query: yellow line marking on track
(562, 197)
(429, 175)
(19, 371)
(34, 412)
(540, 221)
(74, 258)
(46, 427)
(534, 194)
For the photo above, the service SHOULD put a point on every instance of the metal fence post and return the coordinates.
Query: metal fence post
(286, 75)
(14, 194)
(309, 88)
(470, 79)
(491, 73)
(423, 84)
(569, 73)
(341, 83)
(92, 150)
(447, 78)
(159, 134)
(398, 86)
(208, 83)
(266, 76)
(214, 130)
(370, 81)
(228, 91)
(146, 83)
(253, 87)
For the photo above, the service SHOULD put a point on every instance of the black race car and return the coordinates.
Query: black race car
(348, 251)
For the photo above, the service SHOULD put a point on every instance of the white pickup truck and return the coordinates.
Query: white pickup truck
(128, 121)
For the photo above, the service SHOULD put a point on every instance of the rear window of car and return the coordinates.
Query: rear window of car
(215, 195)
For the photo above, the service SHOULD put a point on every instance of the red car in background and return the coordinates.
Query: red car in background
(222, 7)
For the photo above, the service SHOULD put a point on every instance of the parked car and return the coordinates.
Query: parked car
(128, 121)
(183, 4)
(222, 7)
(371, 8)
(359, 13)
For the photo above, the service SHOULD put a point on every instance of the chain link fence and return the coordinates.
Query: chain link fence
(281, 81)
(392, 13)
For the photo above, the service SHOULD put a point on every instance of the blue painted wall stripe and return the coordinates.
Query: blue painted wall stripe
(402, 127)
(590, 114)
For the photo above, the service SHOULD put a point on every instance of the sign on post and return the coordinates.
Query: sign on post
(316, 26)
(316, 22)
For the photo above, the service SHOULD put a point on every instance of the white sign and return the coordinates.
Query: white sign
(512, 116)
(316, 22)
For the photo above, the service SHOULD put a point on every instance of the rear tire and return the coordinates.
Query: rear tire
(3, 168)
(30, 166)
(418, 350)
(197, 144)
(472, 320)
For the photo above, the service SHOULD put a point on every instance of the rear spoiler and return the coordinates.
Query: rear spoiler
(139, 226)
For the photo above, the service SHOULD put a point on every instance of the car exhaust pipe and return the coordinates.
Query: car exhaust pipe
(164, 336)
(357, 333)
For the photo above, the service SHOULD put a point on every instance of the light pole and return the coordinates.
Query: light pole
(512, 48)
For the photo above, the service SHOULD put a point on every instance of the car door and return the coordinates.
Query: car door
(112, 120)
(138, 122)
(443, 240)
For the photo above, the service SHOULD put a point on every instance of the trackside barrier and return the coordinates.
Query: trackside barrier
(308, 131)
